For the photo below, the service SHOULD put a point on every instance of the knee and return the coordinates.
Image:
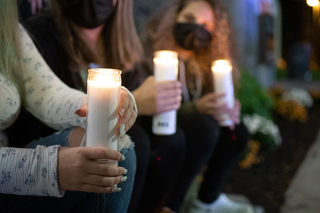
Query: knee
(142, 142)
(176, 143)
(207, 131)
(76, 136)
(240, 137)
(170, 149)
(208, 121)
(130, 163)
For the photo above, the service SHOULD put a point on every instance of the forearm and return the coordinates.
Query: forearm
(29, 171)
(9, 103)
(47, 97)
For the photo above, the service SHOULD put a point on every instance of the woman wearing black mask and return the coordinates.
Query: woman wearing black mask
(77, 34)
(199, 31)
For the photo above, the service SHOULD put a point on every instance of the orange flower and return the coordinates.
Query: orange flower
(252, 156)
(291, 110)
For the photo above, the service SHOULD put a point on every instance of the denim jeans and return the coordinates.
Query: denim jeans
(75, 201)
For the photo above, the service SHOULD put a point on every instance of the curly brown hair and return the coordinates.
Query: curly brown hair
(160, 36)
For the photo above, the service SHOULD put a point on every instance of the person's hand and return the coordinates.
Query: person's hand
(157, 97)
(209, 104)
(234, 113)
(36, 5)
(125, 110)
(127, 113)
(79, 170)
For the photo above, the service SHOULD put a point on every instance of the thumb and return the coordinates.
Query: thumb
(83, 111)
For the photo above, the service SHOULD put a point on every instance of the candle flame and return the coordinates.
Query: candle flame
(165, 54)
(104, 75)
(221, 66)
(313, 3)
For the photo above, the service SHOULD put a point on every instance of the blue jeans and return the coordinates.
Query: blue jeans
(75, 201)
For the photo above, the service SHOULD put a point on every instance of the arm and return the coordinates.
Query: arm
(47, 97)
(53, 102)
(48, 171)
(29, 171)
(9, 103)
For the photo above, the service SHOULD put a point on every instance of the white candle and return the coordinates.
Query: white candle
(222, 75)
(103, 98)
(165, 69)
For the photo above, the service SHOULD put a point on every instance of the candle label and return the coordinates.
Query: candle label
(164, 123)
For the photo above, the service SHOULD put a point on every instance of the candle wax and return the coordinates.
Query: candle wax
(165, 69)
(223, 84)
(103, 99)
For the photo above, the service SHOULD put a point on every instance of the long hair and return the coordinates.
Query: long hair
(10, 44)
(160, 35)
(122, 47)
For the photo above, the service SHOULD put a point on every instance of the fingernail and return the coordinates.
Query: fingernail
(122, 130)
(121, 112)
(123, 157)
(123, 179)
(75, 112)
(116, 189)
(125, 171)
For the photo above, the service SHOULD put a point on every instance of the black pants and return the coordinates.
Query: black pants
(166, 159)
(207, 143)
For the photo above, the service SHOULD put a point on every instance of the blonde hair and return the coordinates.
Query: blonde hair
(10, 44)
(122, 47)
(160, 33)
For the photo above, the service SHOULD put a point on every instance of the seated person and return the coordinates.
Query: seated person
(54, 177)
(71, 42)
(199, 31)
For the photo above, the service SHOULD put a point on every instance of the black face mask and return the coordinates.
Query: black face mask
(191, 36)
(88, 13)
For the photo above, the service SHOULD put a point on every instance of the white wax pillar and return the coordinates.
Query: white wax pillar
(222, 75)
(103, 98)
(165, 69)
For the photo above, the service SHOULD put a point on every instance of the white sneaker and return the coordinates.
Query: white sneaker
(222, 205)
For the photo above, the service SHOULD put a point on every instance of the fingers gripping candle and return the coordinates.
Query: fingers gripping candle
(103, 98)
(222, 75)
(165, 69)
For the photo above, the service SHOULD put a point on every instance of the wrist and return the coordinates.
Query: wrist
(135, 94)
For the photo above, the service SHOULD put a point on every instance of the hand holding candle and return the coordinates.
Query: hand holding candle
(222, 75)
(157, 97)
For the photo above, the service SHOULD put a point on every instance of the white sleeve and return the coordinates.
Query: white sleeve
(29, 171)
(132, 98)
(9, 103)
(47, 97)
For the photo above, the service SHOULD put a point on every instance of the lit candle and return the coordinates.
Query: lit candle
(222, 75)
(103, 98)
(165, 69)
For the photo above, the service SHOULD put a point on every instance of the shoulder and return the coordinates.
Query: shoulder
(40, 23)
(42, 29)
